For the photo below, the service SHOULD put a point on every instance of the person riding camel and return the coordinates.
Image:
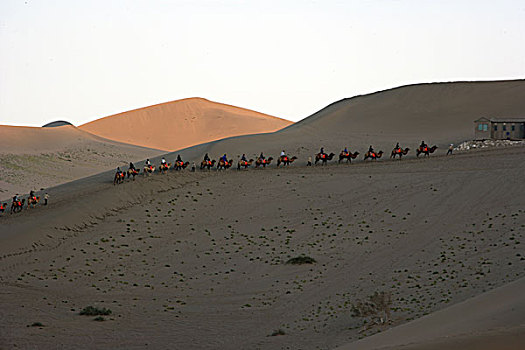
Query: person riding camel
(243, 158)
(370, 149)
(224, 158)
(423, 145)
(283, 153)
(163, 161)
(179, 159)
(321, 152)
(206, 158)
(148, 163)
(261, 157)
(131, 166)
(16, 200)
(32, 195)
(345, 151)
(119, 171)
(397, 146)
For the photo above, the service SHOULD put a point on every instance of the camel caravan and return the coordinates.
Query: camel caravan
(223, 163)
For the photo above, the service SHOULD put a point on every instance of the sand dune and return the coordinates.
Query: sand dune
(34, 158)
(197, 260)
(440, 113)
(183, 123)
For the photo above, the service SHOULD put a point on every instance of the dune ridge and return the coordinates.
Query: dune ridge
(182, 123)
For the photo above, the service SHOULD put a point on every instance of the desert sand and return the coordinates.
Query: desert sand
(183, 123)
(198, 260)
(35, 158)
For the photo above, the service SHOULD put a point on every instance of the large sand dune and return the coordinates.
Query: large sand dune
(196, 260)
(183, 123)
(33, 158)
(439, 113)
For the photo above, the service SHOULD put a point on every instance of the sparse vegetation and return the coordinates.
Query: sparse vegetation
(94, 311)
(301, 260)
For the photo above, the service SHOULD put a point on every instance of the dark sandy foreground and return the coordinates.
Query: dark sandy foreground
(195, 261)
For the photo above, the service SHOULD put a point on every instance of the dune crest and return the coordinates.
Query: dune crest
(182, 123)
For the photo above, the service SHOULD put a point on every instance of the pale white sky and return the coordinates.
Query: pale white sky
(80, 60)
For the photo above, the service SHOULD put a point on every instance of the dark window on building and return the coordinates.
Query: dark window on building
(513, 128)
(480, 127)
(485, 127)
(495, 128)
(504, 128)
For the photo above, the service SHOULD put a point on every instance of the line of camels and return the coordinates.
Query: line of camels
(285, 160)
(17, 206)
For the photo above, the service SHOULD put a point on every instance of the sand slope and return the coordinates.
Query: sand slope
(439, 113)
(183, 123)
(195, 260)
(32, 158)
(492, 320)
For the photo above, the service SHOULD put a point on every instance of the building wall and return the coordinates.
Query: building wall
(482, 130)
(502, 131)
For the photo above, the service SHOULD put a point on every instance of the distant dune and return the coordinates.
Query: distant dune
(56, 123)
(32, 158)
(183, 123)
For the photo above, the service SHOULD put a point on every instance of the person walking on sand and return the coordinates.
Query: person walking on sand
(46, 197)
(450, 149)
(193, 167)
(309, 161)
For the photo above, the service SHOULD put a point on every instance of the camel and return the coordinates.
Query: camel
(207, 164)
(32, 202)
(148, 169)
(224, 164)
(373, 155)
(426, 150)
(179, 165)
(285, 160)
(263, 162)
(164, 168)
(324, 158)
(399, 152)
(119, 177)
(244, 163)
(17, 206)
(132, 172)
(3, 207)
(348, 156)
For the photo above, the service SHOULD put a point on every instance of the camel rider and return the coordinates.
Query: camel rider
(283, 153)
(32, 195)
(16, 199)
(261, 157)
(163, 161)
(131, 166)
(119, 171)
(345, 151)
(243, 158)
(423, 145)
(179, 159)
(370, 149)
(206, 158)
(322, 151)
(224, 158)
(397, 146)
(148, 163)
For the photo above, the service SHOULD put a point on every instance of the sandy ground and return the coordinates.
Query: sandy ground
(183, 123)
(36, 158)
(195, 260)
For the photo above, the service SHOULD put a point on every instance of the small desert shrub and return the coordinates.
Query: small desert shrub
(37, 324)
(278, 332)
(300, 260)
(95, 311)
(99, 319)
(376, 306)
